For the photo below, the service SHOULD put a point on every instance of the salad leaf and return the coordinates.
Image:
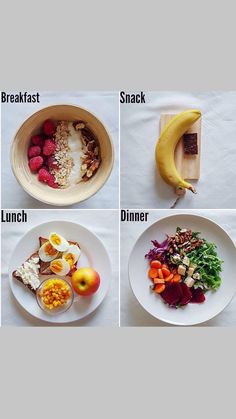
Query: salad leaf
(208, 265)
(195, 234)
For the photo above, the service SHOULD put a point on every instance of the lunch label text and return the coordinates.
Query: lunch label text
(14, 217)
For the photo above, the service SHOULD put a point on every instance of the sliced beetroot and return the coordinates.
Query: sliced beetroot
(197, 295)
(187, 294)
(172, 294)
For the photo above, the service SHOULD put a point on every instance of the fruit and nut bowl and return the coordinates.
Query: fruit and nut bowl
(62, 155)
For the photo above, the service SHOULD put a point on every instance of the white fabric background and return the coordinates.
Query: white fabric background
(142, 186)
(104, 224)
(132, 313)
(105, 105)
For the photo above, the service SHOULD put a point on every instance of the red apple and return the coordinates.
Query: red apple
(85, 281)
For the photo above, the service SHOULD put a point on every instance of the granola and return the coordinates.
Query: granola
(63, 159)
(64, 153)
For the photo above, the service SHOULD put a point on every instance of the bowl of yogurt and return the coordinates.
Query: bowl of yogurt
(62, 155)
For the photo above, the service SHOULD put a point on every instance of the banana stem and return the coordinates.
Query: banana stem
(180, 191)
(192, 189)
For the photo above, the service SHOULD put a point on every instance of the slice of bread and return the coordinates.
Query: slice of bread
(45, 266)
(14, 274)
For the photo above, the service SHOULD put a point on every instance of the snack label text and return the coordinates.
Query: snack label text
(132, 98)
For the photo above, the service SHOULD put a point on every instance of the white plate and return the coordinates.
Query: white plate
(93, 254)
(192, 313)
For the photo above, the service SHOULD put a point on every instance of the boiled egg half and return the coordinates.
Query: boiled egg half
(58, 242)
(47, 252)
(72, 254)
(60, 267)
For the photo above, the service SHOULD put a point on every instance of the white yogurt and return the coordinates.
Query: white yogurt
(75, 152)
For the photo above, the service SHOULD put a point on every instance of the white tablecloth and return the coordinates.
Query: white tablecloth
(103, 104)
(132, 313)
(142, 186)
(96, 221)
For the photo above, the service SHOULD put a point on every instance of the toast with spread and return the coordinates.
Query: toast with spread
(28, 273)
(55, 256)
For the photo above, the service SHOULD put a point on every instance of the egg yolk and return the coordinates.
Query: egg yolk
(49, 249)
(57, 266)
(70, 259)
(55, 239)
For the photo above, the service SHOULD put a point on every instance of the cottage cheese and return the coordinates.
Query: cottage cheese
(29, 272)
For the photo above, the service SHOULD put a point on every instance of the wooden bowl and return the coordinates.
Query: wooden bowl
(72, 194)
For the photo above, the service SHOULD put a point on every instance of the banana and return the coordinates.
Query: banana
(166, 144)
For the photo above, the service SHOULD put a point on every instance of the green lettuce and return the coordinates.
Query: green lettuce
(208, 264)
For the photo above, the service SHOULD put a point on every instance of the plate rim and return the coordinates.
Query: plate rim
(176, 323)
(58, 321)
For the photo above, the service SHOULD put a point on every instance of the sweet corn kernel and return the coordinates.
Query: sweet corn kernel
(55, 293)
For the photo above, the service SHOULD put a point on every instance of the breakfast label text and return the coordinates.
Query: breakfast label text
(20, 97)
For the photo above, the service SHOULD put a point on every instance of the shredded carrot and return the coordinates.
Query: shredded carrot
(169, 278)
(153, 273)
(155, 264)
(176, 278)
(159, 288)
(158, 280)
(165, 272)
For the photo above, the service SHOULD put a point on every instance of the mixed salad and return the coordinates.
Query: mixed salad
(183, 268)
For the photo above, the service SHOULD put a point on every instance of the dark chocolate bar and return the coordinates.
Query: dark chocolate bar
(190, 143)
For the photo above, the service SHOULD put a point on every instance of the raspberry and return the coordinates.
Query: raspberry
(34, 151)
(49, 147)
(49, 127)
(35, 163)
(51, 182)
(52, 163)
(37, 140)
(43, 175)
